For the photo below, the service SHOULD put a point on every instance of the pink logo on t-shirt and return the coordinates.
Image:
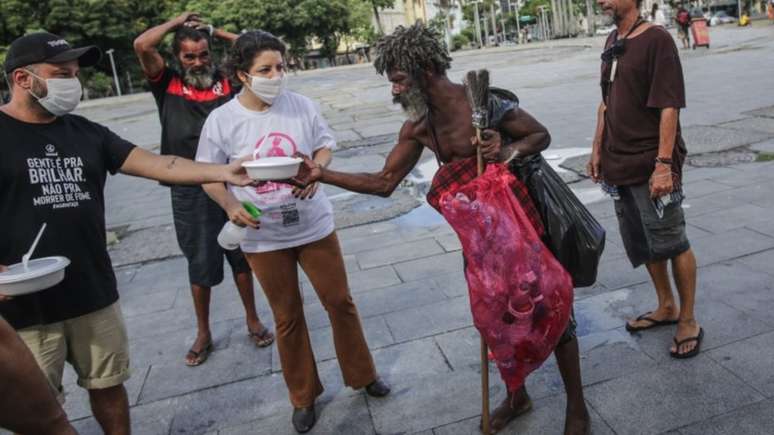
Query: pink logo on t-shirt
(274, 145)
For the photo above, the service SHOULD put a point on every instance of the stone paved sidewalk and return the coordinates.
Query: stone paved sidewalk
(407, 282)
(406, 276)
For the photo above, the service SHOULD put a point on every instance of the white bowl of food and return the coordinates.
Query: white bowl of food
(272, 168)
(40, 274)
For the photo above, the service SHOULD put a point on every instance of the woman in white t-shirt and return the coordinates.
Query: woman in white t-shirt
(296, 227)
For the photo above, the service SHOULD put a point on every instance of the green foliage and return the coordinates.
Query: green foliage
(116, 23)
(459, 41)
(97, 84)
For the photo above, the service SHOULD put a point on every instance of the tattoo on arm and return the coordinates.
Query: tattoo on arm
(172, 162)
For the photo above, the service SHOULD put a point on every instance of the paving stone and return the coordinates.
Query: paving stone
(735, 243)
(162, 322)
(430, 266)
(411, 360)
(753, 419)
(403, 252)
(708, 139)
(419, 322)
(766, 146)
(151, 419)
(618, 273)
(233, 365)
(732, 218)
(546, 418)
(171, 348)
(346, 416)
(767, 112)
(354, 245)
(750, 360)
(397, 298)
(231, 405)
(421, 404)
(669, 396)
(762, 125)
(761, 262)
(453, 284)
(450, 242)
(135, 303)
(701, 188)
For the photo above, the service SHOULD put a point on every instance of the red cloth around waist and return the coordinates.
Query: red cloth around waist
(452, 175)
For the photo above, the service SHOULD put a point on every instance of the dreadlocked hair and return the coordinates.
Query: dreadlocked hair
(414, 50)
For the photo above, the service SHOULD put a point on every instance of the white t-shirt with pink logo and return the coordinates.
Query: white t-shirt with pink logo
(292, 124)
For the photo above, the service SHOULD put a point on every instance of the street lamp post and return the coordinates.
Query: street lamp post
(115, 73)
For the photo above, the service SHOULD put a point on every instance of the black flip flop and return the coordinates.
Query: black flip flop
(691, 353)
(653, 323)
(200, 357)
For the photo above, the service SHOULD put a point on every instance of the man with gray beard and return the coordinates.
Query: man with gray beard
(415, 62)
(185, 96)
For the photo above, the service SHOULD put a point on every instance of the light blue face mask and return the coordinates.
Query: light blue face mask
(62, 95)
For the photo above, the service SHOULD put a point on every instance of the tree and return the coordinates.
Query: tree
(380, 4)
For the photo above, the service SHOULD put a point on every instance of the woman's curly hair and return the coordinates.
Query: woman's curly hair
(413, 49)
(247, 47)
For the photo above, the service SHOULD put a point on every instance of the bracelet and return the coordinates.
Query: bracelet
(663, 161)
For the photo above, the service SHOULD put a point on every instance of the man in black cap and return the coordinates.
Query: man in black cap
(53, 167)
(185, 96)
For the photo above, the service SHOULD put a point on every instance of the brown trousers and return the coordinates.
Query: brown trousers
(278, 275)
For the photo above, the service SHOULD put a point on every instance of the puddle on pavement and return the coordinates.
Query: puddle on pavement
(422, 216)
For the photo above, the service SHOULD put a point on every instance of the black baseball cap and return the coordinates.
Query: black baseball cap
(44, 47)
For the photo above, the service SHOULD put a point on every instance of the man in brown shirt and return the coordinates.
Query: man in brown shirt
(638, 154)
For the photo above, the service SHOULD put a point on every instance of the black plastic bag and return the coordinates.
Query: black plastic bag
(573, 235)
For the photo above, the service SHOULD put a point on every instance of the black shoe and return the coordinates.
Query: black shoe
(378, 388)
(304, 419)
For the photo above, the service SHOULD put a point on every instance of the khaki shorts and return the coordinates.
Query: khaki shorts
(95, 345)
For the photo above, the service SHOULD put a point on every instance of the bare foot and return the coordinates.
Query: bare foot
(659, 314)
(686, 329)
(514, 405)
(577, 420)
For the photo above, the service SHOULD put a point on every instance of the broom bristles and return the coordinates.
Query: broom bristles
(477, 91)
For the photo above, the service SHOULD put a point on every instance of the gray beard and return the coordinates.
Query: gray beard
(414, 103)
(201, 79)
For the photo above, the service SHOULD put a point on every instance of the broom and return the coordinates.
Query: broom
(477, 92)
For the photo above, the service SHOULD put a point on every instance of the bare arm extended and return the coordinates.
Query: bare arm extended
(177, 170)
(403, 157)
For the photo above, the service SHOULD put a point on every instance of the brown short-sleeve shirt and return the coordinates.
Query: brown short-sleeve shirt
(649, 78)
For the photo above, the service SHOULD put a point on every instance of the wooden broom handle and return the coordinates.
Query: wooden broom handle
(485, 421)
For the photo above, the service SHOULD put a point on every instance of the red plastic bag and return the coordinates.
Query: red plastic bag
(520, 296)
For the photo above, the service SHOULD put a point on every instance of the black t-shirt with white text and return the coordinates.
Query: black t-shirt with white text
(55, 174)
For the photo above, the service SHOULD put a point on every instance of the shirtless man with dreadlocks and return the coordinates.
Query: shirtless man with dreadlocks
(416, 62)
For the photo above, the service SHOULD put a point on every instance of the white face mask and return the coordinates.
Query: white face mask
(62, 97)
(268, 89)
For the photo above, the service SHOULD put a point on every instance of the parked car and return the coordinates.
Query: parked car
(721, 17)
